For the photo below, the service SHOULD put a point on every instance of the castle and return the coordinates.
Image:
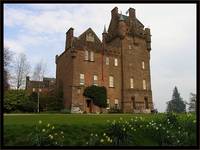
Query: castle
(120, 62)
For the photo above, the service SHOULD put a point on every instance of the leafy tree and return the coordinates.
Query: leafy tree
(176, 104)
(18, 100)
(192, 103)
(97, 94)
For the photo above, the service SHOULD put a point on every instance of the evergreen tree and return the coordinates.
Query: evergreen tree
(192, 103)
(176, 104)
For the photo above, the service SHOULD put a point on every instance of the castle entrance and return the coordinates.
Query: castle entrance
(146, 103)
(89, 105)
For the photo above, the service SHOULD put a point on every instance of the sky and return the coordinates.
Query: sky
(38, 30)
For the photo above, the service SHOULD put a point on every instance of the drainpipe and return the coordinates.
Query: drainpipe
(122, 77)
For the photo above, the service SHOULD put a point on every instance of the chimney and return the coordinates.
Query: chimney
(104, 34)
(27, 81)
(69, 38)
(131, 13)
(114, 12)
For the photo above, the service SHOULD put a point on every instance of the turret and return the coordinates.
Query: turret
(69, 38)
(148, 38)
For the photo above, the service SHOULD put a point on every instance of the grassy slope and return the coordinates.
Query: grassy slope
(69, 119)
(76, 127)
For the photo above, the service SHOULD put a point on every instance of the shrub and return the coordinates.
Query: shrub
(18, 101)
(114, 110)
(97, 94)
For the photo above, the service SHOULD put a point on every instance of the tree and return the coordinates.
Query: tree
(7, 61)
(39, 71)
(21, 70)
(97, 94)
(19, 101)
(176, 104)
(192, 103)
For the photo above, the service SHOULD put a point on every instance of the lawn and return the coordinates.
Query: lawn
(68, 119)
(77, 128)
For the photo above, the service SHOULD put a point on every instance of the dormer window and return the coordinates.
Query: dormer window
(90, 37)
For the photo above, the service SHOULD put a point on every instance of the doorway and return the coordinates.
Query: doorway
(146, 103)
(133, 102)
(89, 105)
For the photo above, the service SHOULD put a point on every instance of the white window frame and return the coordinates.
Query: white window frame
(91, 56)
(82, 79)
(108, 103)
(107, 60)
(116, 103)
(111, 81)
(86, 54)
(95, 80)
(143, 65)
(115, 62)
(144, 85)
(131, 83)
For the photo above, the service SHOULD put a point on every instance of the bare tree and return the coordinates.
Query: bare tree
(39, 71)
(20, 71)
(7, 64)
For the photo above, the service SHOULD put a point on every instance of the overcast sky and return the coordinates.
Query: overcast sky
(38, 30)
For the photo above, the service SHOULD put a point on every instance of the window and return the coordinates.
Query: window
(91, 56)
(86, 55)
(107, 60)
(116, 103)
(144, 85)
(82, 79)
(131, 83)
(90, 37)
(116, 62)
(143, 65)
(95, 80)
(108, 103)
(111, 81)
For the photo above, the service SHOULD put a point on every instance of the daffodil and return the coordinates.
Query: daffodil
(101, 140)
(40, 121)
(43, 130)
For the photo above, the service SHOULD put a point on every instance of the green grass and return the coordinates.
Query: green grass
(69, 119)
(76, 127)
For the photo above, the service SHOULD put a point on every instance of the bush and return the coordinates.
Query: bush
(114, 110)
(66, 111)
(18, 101)
(97, 94)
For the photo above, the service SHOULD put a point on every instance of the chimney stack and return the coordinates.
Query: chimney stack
(69, 38)
(114, 12)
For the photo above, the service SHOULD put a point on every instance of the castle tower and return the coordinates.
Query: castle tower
(134, 45)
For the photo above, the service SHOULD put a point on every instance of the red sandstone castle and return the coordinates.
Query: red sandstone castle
(120, 62)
